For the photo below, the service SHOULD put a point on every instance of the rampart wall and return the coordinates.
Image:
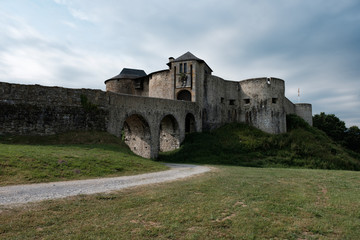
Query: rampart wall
(221, 102)
(154, 123)
(304, 110)
(38, 110)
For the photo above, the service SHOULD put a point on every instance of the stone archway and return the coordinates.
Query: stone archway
(190, 123)
(169, 134)
(136, 134)
(184, 95)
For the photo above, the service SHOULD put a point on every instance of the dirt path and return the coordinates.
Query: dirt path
(37, 192)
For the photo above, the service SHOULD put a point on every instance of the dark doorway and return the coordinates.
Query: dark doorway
(190, 123)
(184, 95)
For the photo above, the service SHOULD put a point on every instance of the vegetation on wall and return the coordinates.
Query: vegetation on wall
(87, 105)
(239, 144)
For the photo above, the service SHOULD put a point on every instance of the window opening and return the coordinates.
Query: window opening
(274, 100)
(247, 101)
(181, 67)
(191, 75)
(231, 102)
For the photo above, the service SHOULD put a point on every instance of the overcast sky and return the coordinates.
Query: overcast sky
(313, 45)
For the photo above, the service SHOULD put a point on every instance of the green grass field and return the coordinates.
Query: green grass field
(231, 202)
(75, 155)
(228, 203)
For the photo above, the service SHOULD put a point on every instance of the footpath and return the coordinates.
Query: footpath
(20, 194)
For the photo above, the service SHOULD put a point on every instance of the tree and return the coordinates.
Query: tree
(331, 125)
(352, 138)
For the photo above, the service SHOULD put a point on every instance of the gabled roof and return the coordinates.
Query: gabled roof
(189, 57)
(129, 73)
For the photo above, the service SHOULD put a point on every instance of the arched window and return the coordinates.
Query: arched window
(184, 95)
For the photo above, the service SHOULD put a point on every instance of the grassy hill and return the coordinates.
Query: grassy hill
(73, 155)
(239, 144)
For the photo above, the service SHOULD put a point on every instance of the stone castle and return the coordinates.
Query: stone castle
(152, 112)
(260, 102)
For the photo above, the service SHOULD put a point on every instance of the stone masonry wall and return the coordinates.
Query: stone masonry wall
(221, 102)
(304, 110)
(161, 85)
(38, 110)
(263, 104)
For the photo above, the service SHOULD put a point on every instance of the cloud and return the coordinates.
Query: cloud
(312, 45)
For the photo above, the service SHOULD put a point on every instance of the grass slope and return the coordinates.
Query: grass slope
(228, 203)
(75, 155)
(240, 144)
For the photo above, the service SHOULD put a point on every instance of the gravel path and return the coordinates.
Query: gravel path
(37, 192)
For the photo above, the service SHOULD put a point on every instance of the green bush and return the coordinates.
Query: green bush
(240, 144)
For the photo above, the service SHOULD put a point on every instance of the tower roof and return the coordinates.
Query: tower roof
(189, 57)
(129, 73)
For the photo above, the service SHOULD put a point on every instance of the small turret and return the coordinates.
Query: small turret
(126, 81)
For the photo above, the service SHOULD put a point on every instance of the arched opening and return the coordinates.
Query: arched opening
(190, 123)
(184, 95)
(169, 134)
(136, 134)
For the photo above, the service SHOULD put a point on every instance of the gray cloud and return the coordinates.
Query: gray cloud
(312, 45)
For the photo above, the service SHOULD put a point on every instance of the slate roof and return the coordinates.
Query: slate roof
(129, 73)
(189, 57)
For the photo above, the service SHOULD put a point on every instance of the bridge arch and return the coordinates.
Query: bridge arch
(169, 138)
(190, 123)
(137, 135)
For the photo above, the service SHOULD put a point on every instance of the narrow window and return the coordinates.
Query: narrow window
(247, 101)
(181, 67)
(191, 75)
(274, 100)
(174, 73)
(185, 67)
(222, 100)
(231, 102)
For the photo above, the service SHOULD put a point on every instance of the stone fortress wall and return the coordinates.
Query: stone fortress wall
(38, 110)
(148, 125)
(152, 112)
(260, 102)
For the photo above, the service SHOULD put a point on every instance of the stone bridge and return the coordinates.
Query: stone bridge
(148, 125)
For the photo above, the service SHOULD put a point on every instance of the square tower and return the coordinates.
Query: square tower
(188, 74)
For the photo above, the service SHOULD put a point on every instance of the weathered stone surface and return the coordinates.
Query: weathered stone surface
(31, 119)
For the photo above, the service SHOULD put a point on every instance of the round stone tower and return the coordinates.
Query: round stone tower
(262, 101)
(126, 82)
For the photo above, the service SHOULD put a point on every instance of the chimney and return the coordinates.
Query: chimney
(171, 59)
